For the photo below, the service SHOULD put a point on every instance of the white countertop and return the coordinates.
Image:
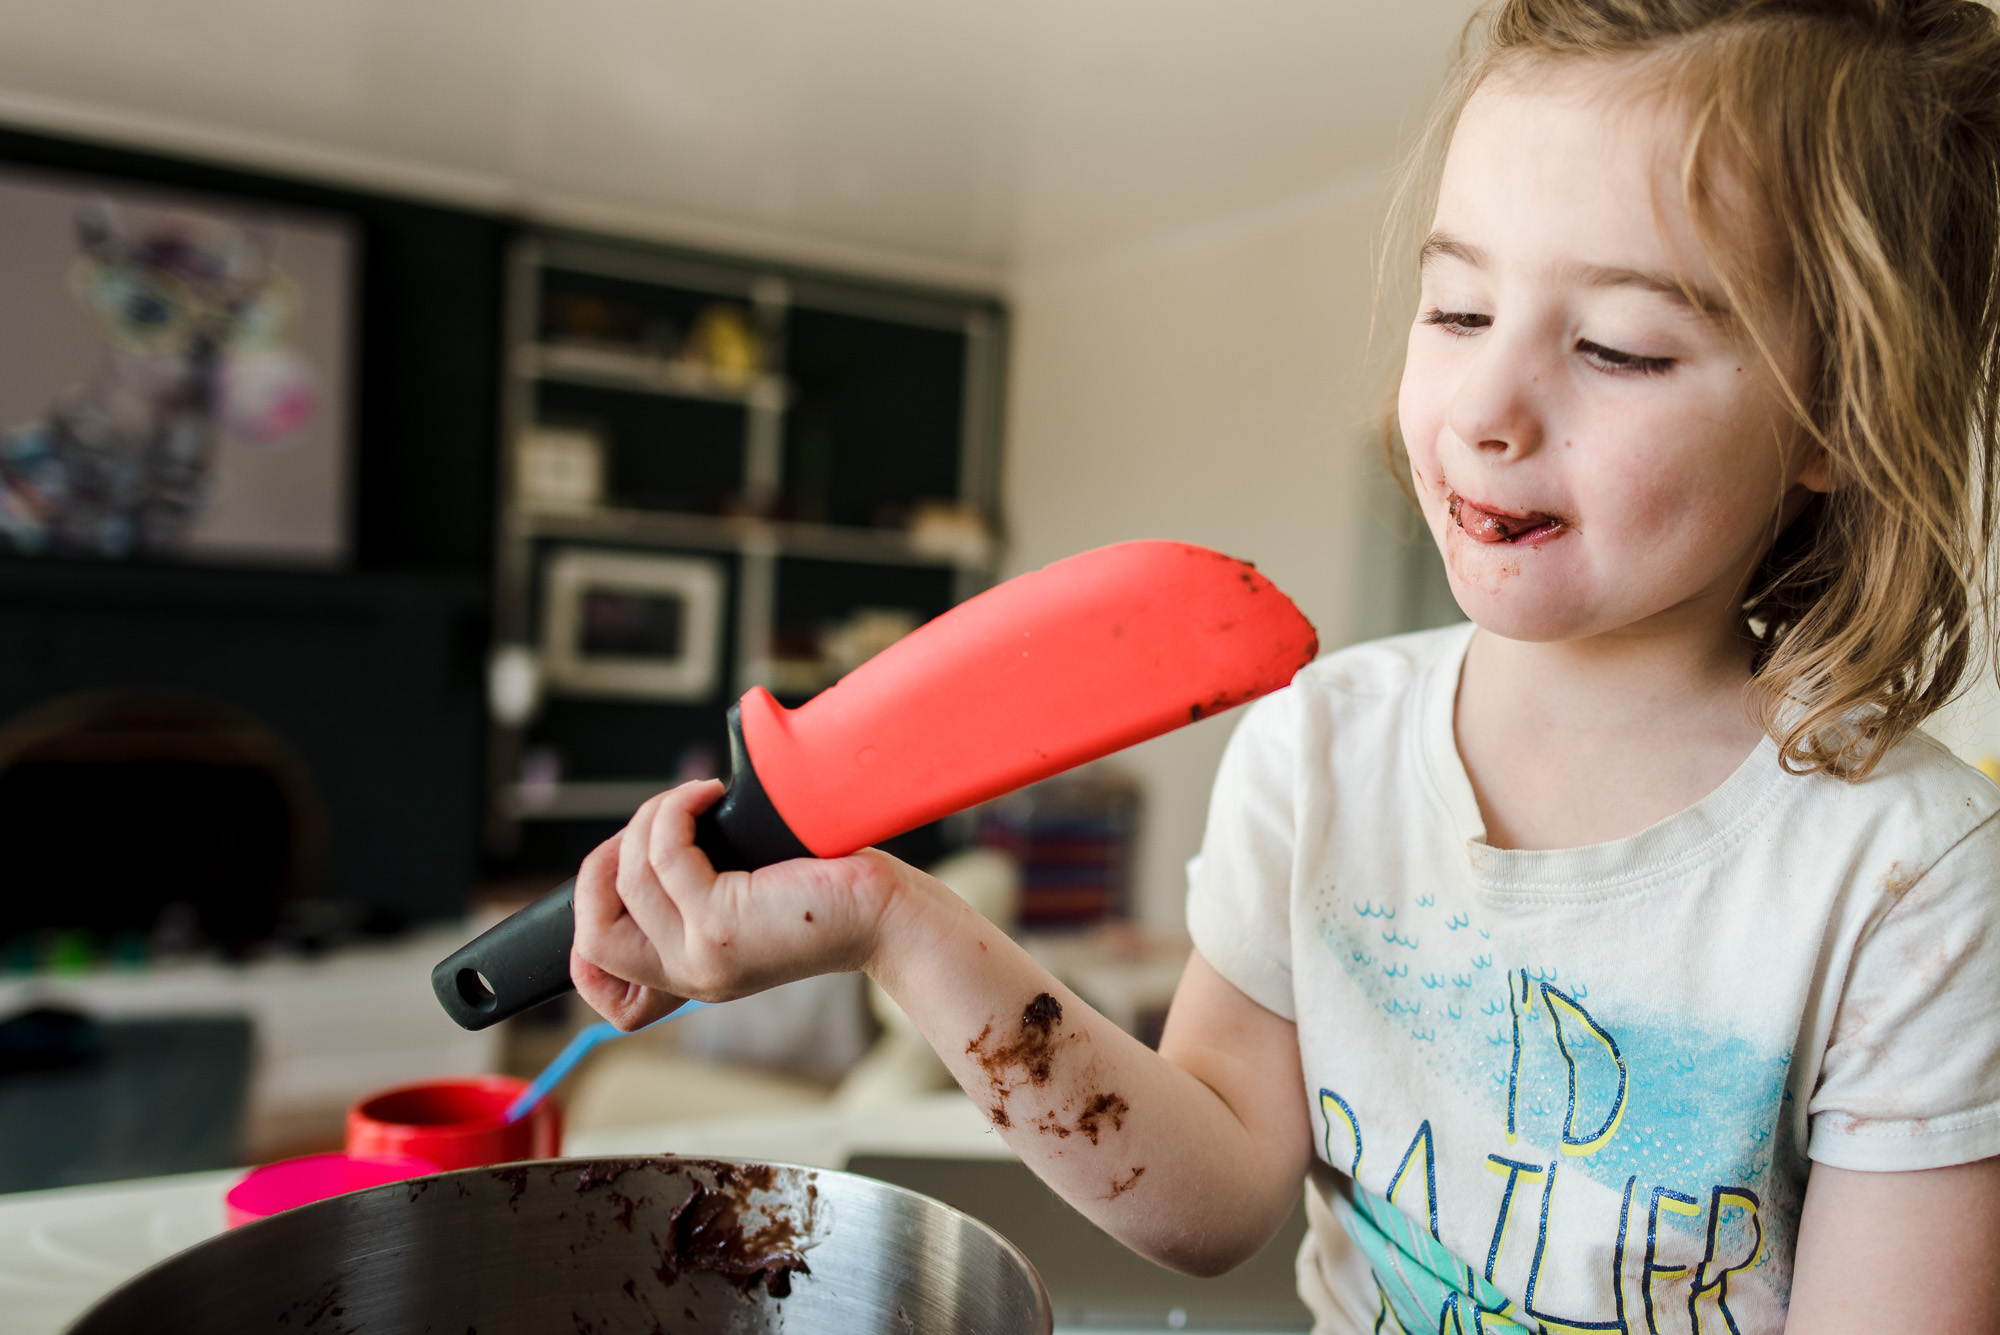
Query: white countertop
(62, 1250)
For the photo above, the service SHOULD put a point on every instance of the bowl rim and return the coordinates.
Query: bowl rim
(1044, 1309)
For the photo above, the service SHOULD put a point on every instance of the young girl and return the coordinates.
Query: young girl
(1625, 959)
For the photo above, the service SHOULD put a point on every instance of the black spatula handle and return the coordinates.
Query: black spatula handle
(519, 962)
(523, 960)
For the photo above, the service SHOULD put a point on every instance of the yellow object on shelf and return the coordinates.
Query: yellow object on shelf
(723, 342)
(1989, 765)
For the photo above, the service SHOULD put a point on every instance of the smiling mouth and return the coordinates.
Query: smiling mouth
(1495, 526)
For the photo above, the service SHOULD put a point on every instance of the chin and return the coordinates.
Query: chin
(1516, 611)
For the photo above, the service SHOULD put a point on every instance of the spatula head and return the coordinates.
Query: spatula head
(1042, 673)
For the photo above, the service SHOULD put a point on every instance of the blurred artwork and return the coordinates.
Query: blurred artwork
(172, 377)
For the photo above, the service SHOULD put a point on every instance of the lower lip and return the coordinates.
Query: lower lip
(1546, 531)
(1536, 536)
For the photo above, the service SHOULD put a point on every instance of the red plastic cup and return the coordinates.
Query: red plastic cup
(313, 1177)
(457, 1123)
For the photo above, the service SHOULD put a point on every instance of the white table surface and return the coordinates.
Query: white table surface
(62, 1250)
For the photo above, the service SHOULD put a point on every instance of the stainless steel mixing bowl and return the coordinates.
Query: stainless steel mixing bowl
(661, 1246)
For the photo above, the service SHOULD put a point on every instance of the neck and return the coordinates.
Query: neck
(1581, 741)
(1626, 681)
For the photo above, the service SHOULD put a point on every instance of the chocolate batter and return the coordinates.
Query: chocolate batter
(710, 1234)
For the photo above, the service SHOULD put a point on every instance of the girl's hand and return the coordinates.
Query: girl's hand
(656, 924)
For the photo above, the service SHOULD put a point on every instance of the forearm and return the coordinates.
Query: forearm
(1196, 1175)
(1141, 1146)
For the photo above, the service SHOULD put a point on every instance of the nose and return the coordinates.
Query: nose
(1496, 406)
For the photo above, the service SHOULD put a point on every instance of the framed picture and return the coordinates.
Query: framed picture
(174, 374)
(630, 624)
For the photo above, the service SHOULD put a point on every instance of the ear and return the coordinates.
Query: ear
(1816, 470)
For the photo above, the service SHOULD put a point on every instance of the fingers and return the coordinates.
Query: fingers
(675, 873)
(628, 924)
(627, 1005)
(666, 836)
(594, 903)
(604, 935)
(611, 962)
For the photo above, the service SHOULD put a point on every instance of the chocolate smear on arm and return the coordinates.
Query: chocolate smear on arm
(1120, 1188)
(1042, 1014)
(1102, 1108)
(1028, 1058)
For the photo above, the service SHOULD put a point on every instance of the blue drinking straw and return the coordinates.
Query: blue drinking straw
(575, 1051)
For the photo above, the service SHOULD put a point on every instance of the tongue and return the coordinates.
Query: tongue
(1485, 526)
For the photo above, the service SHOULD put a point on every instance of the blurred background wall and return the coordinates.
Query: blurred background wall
(1179, 200)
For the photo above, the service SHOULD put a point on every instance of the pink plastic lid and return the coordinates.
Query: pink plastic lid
(314, 1177)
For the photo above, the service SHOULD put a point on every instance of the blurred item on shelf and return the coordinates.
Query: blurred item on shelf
(541, 777)
(724, 345)
(795, 676)
(561, 468)
(951, 529)
(846, 645)
(807, 659)
(576, 317)
(697, 760)
(1073, 837)
(796, 667)
(513, 684)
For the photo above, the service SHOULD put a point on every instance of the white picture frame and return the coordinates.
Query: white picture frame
(582, 589)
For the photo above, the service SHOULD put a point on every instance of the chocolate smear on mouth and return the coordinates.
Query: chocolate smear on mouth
(1486, 526)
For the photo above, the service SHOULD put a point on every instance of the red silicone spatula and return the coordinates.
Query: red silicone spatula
(1036, 675)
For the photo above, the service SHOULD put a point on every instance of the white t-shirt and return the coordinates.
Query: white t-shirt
(1580, 1089)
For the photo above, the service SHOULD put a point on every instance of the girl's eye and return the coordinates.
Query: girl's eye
(1627, 363)
(1457, 322)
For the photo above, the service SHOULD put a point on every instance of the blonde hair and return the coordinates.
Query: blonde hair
(1869, 133)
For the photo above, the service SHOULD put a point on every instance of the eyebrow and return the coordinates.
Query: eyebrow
(1700, 300)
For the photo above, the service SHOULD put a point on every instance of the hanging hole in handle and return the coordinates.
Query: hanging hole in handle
(476, 991)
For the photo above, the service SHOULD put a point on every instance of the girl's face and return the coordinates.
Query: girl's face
(1592, 449)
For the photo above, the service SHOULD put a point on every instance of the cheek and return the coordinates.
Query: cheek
(1420, 403)
(1682, 507)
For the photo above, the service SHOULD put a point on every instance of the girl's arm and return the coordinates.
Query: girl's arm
(1899, 1251)
(1193, 1155)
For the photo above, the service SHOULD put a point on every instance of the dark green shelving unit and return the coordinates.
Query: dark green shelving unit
(798, 480)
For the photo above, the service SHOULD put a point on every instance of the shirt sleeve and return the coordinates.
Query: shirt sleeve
(1239, 884)
(1911, 1078)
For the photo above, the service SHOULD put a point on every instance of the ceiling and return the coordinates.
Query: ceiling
(968, 140)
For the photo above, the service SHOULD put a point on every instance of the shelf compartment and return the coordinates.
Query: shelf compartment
(599, 799)
(727, 533)
(641, 373)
